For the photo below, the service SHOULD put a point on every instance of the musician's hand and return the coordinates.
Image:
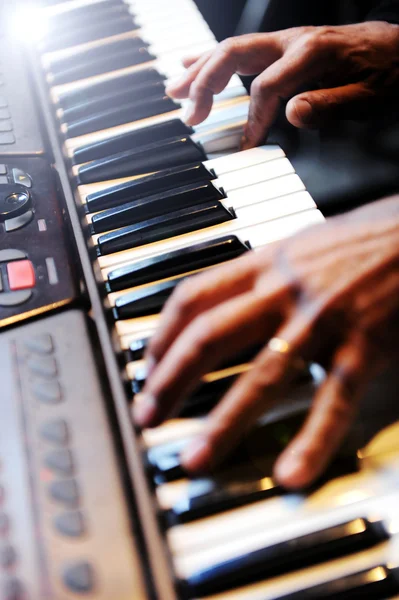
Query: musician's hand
(354, 67)
(331, 292)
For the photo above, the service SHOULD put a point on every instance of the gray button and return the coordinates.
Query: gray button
(7, 139)
(18, 222)
(56, 432)
(45, 366)
(13, 590)
(60, 461)
(3, 169)
(1, 282)
(22, 178)
(4, 114)
(11, 254)
(65, 491)
(79, 578)
(40, 344)
(70, 524)
(2, 494)
(6, 125)
(48, 392)
(3, 179)
(3, 102)
(4, 523)
(15, 298)
(8, 556)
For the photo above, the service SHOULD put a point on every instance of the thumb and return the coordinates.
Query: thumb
(317, 108)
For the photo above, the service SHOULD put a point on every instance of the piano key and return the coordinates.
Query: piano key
(102, 149)
(175, 263)
(144, 302)
(104, 194)
(259, 203)
(87, 11)
(141, 80)
(165, 226)
(90, 32)
(137, 349)
(155, 205)
(258, 232)
(187, 500)
(224, 112)
(140, 187)
(120, 114)
(374, 584)
(172, 178)
(145, 159)
(103, 64)
(123, 96)
(295, 553)
(257, 191)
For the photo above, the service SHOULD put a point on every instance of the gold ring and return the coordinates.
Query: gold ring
(281, 346)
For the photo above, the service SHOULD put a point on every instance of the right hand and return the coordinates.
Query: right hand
(357, 65)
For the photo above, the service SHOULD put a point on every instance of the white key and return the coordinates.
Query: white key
(247, 216)
(273, 198)
(258, 235)
(232, 164)
(219, 112)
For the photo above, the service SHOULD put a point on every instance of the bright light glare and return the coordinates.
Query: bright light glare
(28, 23)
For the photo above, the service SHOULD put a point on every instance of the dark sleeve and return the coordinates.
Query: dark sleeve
(384, 10)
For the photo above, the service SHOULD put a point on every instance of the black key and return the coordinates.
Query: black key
(131, 140)
(143, 77)
(144, 302)
(104, 64)
(137, 349)
(377, 583)
(118, 115)
(153, 206)
(90, 33)
(88, 13)
(108, 101)
(88, 55)
(211, 495)
(177, 262)
(297, 553)
(164, 227)
(143, 159)
(167, 179)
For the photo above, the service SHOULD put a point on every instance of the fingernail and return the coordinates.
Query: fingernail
(173, 84)
(245, 143)
(290, 470)
(189, 112)
(144, 409)
(196, 456)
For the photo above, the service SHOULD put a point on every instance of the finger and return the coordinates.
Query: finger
(190, 60)
(245, 55)
(317, 108)
(180, 88)
(211, 338)
(200, 294)
(282, 79)
(253, 393)
(332, 413)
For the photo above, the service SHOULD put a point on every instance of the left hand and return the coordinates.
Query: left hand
(347, 71)
(329, 291)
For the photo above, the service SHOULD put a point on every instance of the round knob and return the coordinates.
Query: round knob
(15, 200)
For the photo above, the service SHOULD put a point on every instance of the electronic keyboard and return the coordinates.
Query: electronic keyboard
(111, 202)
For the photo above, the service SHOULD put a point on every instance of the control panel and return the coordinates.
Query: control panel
(35, 254)
(19, 123)
(60, 494)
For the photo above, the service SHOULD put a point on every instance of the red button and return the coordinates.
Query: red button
(21, 275)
